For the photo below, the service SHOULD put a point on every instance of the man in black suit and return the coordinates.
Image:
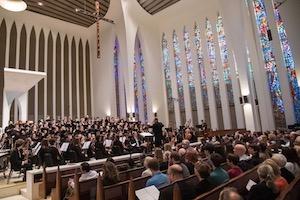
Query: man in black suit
(19, 160)
(157, 131)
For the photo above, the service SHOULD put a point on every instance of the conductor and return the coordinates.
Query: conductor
(157, 131)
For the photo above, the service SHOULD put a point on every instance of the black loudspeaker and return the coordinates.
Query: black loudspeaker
(133, 114)
(241, 100)
(155, 114)
(245, 99)
(270, 35)
(256, 102)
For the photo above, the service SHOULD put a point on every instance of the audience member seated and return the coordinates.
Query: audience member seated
(87, 173)
(147, 171)
(253, 150)
(232, 161)
(110, 174)
(19, 158)
(266, 189)
(293, 162)
(202, 172)
(176, 159)
(163, 164)
(244, 160)
(279, 181)
(191, 157)
(158, 179)
(229, 194)
(175, 174)
(281, 161)
(218, 176)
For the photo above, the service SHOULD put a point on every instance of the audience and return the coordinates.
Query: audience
(147, 171)
(279, 181)
(266, 189)
(229, 194)
(293, 162)
(281, 161)
(202, 172)
(232, 161)
(87, 173)
(218, 176)
(110, 174)
(158, 179)
(176, 159)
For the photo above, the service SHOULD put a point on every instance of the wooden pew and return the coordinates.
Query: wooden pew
(292, 192)
(49, 179)
(239, 183)
(62, 181)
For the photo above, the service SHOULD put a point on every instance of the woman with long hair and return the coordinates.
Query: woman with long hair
(266, 188)
(110, 174)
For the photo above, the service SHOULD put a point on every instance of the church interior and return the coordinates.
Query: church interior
(149, 99)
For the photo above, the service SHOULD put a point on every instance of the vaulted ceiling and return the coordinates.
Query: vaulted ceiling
(155, 6)
(66, 9)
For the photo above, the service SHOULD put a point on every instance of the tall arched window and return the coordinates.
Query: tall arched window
(289, 62)
(270, 63)
(226, 68)
(168, 82)
(116, 70)
(140, 90)
(214, 71)
(178, 66)
(202, 73)
(190, 75)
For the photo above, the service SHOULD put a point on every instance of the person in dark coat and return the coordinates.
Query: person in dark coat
(157, 131)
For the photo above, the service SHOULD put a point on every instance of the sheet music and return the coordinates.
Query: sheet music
(107, 143)
(250, 184)
(122, 139)
(86, 145)
(148, 193)
(146, 134)
(64, 147)
(36, 149)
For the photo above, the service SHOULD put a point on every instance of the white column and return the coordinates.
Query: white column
(22, 101)
(84, 77)
(197, 77)
(186, 88)
(70, 76)
(282, 72)
(210, 87)
(223, 89)
(62, 80)
(46, 70)
(169, 37)
(77, 77)
(54, 76)
(37, 42)
(263, 91)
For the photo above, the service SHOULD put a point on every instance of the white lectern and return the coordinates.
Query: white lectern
(17, 83)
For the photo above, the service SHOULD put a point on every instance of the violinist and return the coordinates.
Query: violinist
(19, 158)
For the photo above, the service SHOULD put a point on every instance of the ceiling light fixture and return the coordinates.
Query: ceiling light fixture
(13, 5)
(40, 3)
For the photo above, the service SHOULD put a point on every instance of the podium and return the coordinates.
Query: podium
(17, 83)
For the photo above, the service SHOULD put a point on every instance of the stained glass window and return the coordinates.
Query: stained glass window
(178, 66)
(212, 61)
(203, 80)
(168, 82)
(190, 74)
(224, 58)
(140, 93)
(116, 68)
(289, 63)
(270, 64)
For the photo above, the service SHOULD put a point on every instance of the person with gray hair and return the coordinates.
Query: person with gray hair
(281, 161)
(229, 193)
